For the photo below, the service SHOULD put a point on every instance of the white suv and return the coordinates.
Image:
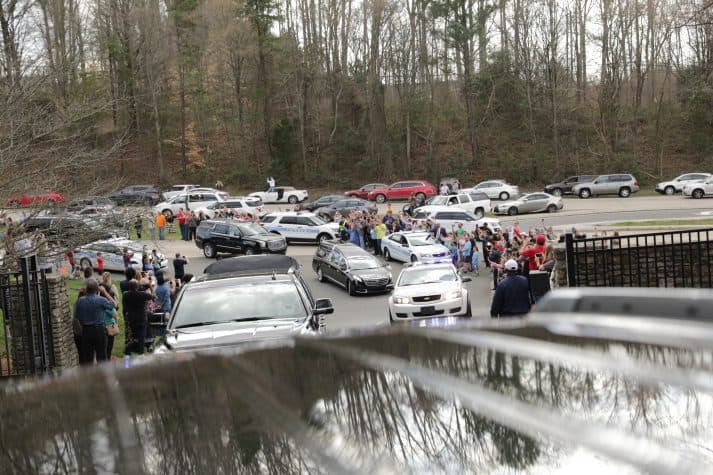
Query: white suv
(450, 216)
(676, 185)
(474, 202)
(188, 201)
(178, 190)
(699, 189)
(427, 291)
(297, 226)
(496, 189)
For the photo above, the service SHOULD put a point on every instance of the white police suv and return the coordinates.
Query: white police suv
(298, 226)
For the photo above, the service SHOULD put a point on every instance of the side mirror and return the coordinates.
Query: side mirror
(343, 267)
(323, 307)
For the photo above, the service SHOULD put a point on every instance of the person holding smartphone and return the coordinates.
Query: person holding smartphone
(534, 254)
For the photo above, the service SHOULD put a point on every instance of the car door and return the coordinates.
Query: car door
(308, 229)
(404, 252)
(536, 202)
(330, 269)
(708, 187)
(219, 237)
(234, 241)
(600, 185)
(569, 183)
(393, 243)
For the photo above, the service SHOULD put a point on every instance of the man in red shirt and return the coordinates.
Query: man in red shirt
(100, 263)
(182, 218)
(533, 252)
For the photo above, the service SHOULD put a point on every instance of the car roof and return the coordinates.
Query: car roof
(253, 265)
(351, 250)
(291, 213)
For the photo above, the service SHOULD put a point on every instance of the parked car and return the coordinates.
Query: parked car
(429, 291)
(537, 202)
(282, 194)
(351, 267)
(237, 237)
(495, 189)
(176, 190)
(474, 202)
(699, 189)
(79, 204)
(676, 185)
(322, 201)
(32, 198)
(237, 204)
(565, 186)
(188, 201)
(403, 190)
(136, 195)
(346, 206)
(258, 304)
(299, 226)
(414, 246)
(112, 251)
(450, 216)
(622, 184)
(364, 191)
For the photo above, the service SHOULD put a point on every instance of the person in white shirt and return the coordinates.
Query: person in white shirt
(270, 184)
(444, 189)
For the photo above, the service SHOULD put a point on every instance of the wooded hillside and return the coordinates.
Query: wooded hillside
(341, 92)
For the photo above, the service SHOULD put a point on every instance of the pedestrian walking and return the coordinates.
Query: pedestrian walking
(512, 296)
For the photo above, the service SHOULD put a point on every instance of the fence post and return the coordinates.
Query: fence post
(569, 253)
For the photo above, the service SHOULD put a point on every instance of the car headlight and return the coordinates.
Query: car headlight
(357, 278)
(401, 300)
(453, 294)
(261, 244)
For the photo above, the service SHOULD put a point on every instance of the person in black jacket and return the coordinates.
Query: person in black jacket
(512, 296)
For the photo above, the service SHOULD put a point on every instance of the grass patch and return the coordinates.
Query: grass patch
(146, 236)
(666, 222)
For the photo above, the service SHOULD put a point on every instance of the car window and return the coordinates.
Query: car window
(478, 196)
(233, 204)
(179, 199)
(602, 179)
(288, 220)
(538, 196)
(464, 198)
(221, 229)
(305, 221)
(233, 231)
(395, 238)
(427, 276)
(268, 219)
(696, 176)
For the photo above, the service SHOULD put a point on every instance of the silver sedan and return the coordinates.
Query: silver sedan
(530, 203)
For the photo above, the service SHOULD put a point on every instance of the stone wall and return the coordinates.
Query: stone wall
(688, 264)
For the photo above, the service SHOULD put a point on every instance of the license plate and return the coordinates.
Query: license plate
(428, 310)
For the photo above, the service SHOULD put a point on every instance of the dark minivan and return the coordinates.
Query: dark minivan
(564, 187)
(237, 237)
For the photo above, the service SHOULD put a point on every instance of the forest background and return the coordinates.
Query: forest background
(337, 93)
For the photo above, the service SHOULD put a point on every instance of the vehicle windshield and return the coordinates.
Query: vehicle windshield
(421, 240)
(363, 263)
(250, 229)
(420, 215)
(427, 275)
(263, 300)
(440, 200)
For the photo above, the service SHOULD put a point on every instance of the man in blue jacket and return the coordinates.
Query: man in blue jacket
(512, 297)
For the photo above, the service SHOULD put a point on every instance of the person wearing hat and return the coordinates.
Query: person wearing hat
(512, 296)
(535, 253)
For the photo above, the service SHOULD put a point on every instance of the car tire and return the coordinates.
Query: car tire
(387, 255)
(552, 209)
(350, 288)
(697, 194)
(167, 213)
(584, 193)
(420, 196)
(209, 250)
(479, 213)
(468, 310)
(323, 237)
(624, 192)
(292, 200)
(85, 263)
(512, 211)
(669, 190)
(414, 258)
(320, 275)
(504, 195)
(380, 198)
(556, 192)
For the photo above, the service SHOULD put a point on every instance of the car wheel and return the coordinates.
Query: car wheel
(387, 255)
(468, 310)
(552, 209)
(504, 195)
(512, 211)
(697, 194)
(320, 275)
(479, 213)
(85, 263)
(669, 190)
(209, 250)
(292, 200)
(414, 258)
(380, 198)
(250, 251)
(323, 237)
(167, 213)
(420, 196)
(350, 288)
(556, 192)
(624, 192)
(585, 193)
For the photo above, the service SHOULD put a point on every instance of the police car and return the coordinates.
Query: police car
(414, 246)
(297, 226)
(112, 251)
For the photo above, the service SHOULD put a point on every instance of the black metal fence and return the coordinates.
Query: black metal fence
(25, 327)
(665, 259)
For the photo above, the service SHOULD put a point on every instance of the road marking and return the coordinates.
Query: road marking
(706, 213)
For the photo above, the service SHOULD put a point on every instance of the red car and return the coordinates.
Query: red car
(403, 190)
(363, 192)
(34, 198)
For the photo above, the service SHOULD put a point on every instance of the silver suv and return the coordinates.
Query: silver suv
(622, 184)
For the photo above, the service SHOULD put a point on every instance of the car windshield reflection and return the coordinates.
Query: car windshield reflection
(363, 263)
(251, 229)
(427, 276)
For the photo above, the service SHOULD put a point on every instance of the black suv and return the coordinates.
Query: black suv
(237, 237)
(564, 187)
(136, 195)
(259, 299)
(351, 267)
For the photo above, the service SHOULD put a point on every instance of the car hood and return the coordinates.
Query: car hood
(430, 249)
(379, 272)
(426, 289)
(330, 227)
(231, 334)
